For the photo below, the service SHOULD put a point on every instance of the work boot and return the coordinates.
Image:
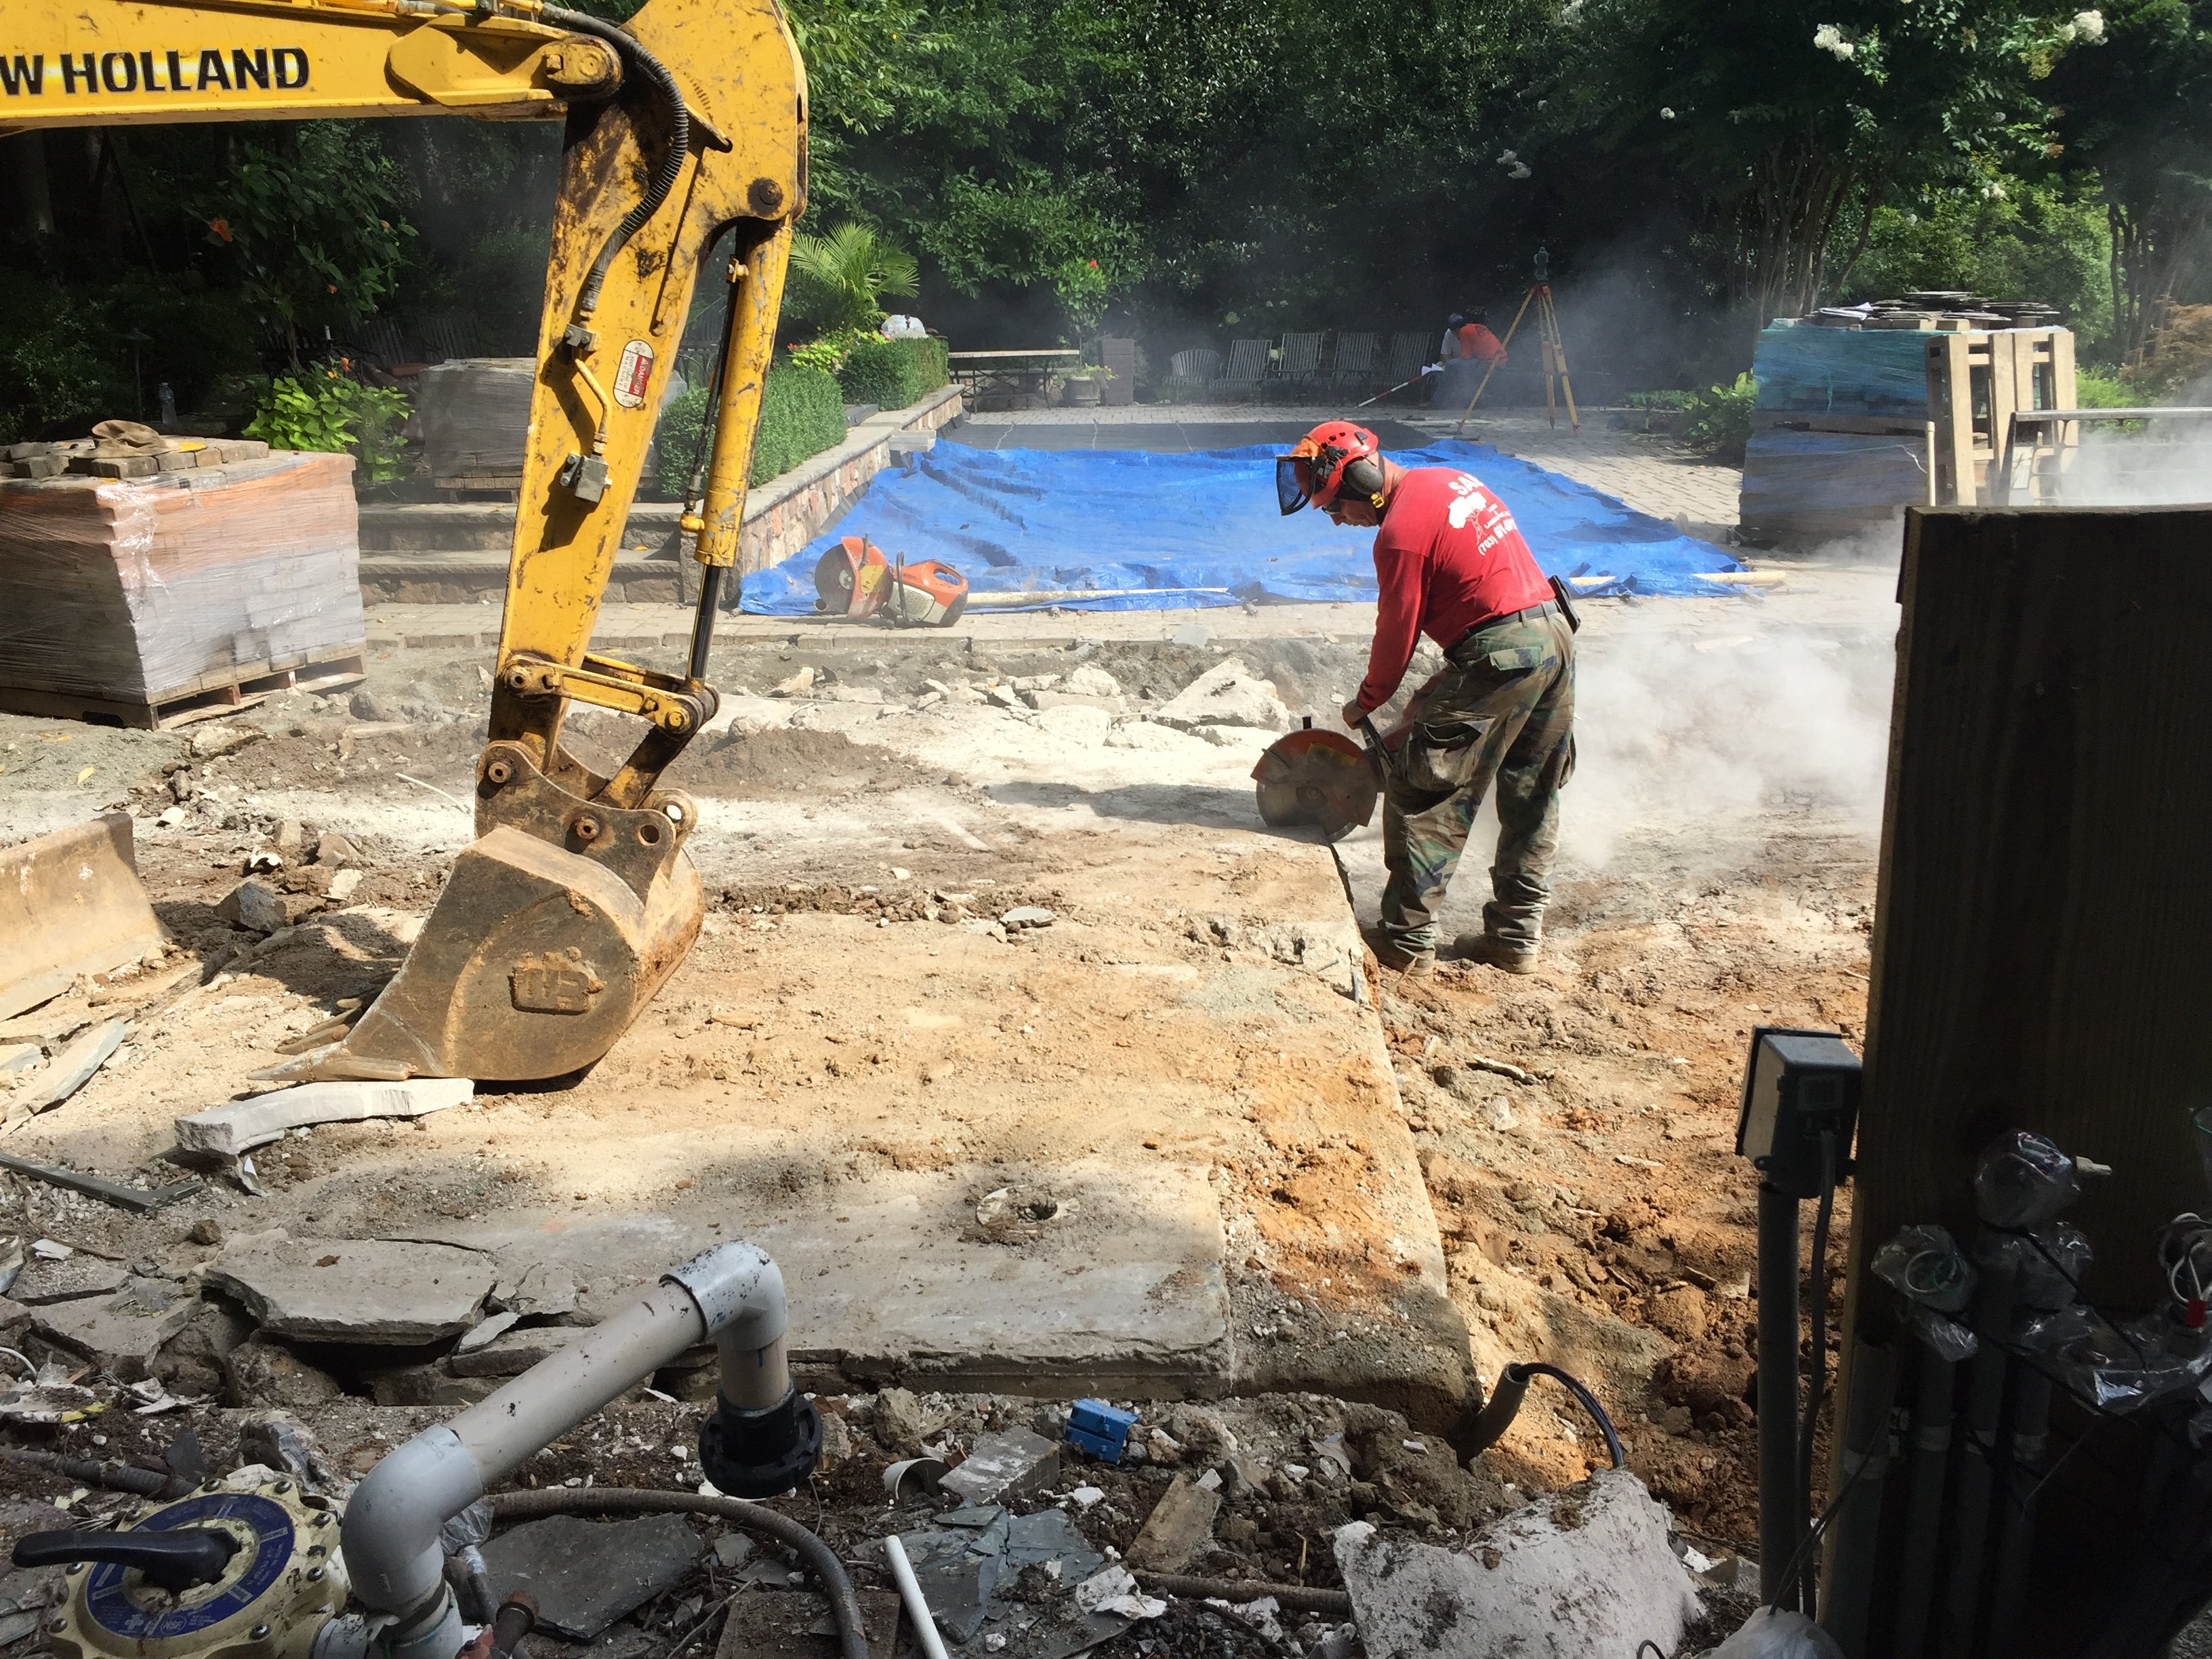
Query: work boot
(1504, 955)
(1403, 959)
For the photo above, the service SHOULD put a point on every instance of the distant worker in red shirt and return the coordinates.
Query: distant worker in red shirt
(1450, 563)
(1467, 338)
(1467, 351)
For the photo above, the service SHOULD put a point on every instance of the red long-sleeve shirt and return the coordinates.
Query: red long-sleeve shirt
(1449, 557)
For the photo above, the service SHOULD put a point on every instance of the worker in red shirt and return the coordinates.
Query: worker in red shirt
(1466, 352)
(1450, 563)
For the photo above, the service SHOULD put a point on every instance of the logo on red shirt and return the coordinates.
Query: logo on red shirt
(1494, 522)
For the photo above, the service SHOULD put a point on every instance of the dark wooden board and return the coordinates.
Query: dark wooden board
(2043, 946)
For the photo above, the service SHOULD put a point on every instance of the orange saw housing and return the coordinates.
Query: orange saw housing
(853, 579)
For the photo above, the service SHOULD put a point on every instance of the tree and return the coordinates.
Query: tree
(2139, 109)
(1791, 122)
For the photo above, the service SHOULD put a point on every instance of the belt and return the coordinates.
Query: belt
(1549, 608)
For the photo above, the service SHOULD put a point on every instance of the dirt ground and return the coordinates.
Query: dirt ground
(1718, 873)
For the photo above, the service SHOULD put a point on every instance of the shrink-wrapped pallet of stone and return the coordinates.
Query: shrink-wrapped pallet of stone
(475, 415)
(149, 601)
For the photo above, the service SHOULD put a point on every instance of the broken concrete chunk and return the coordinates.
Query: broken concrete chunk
(227, 1131)
(256, 905)
(45, 1280)
(260, 1372)
(1146, 735)
(344, 886)
(1089, 680)
(1012, 1463)
(428, 1385)
(1028, 915)
(1192, 636)
(120, 1334)
(357, 1290)
(1180, 1526)
(538, 1289)
(1228, 694)
(72, 1068)
(18, 1057)
(584, 1574)
(512, 1352)
(798, 683)
(1585, 1570)
(484, 1330)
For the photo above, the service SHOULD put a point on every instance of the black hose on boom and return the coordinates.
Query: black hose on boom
(672, 165)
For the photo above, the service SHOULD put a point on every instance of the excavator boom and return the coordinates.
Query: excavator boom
(685, 132)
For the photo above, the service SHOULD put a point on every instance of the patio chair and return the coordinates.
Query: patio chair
(1404, 357)
(1300, 366)
(1247, 371)
(1190, 373)
(1352, 369)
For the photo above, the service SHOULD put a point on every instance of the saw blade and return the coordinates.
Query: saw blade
(1319, 778)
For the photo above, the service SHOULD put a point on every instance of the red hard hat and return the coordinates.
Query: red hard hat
(1312, 474)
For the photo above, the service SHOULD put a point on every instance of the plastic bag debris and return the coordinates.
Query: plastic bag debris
(1926, 1266)
(1771, 1633)
(2022, 1180)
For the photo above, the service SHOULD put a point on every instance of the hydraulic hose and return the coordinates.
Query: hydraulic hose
(1505, 1405)
(672, 165)
(844, 1604)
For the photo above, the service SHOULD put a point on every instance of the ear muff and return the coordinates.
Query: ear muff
(1363, 476)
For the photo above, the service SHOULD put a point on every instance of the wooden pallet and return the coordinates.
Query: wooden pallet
(1975, 383)
(224, 692)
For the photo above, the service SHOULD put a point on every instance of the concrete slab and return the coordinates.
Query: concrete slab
(120, 1334)
(585, 1574)
(355, 1290)
(78, 1274)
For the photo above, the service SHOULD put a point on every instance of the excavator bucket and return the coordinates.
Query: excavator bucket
(557, 924)
(71, 903)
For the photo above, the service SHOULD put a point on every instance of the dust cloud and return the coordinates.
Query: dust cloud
(1689, 743)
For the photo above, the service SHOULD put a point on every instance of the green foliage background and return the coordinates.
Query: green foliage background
(1193, 170)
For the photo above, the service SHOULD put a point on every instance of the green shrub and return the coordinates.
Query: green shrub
(892, 373)
(324, 409)
(1660, 399)
(2095, 391)
(802, 414)
(1720, 420)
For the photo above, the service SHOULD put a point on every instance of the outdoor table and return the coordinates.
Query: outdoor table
(1010, 374)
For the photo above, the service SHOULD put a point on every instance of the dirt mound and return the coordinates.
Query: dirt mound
(778, 763)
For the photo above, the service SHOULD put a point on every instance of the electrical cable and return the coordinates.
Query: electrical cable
(836, 1583)
(1817, 1388)
(1538, 1368)
(672, 164)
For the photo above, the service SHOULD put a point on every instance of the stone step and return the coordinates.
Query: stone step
(446, 526)
(468, 575)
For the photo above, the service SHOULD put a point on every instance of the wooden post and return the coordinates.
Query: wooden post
(2043, 946)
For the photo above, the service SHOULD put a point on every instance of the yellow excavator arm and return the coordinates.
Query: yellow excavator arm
(685, 125)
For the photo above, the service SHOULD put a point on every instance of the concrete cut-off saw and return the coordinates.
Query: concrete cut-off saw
(1322, 779)
(854, 580)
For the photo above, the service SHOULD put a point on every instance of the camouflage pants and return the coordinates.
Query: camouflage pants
(1503, 708)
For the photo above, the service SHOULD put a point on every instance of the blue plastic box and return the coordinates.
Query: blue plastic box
(1101, 1430)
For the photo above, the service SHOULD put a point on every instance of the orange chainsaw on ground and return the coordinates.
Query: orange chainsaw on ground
(853, 579)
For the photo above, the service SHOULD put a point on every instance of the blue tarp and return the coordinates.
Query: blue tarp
(1809, 370)
(1129, 530)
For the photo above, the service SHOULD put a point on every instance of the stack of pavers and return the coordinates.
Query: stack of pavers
(150, 580)
(125, 449)
(1866, 409)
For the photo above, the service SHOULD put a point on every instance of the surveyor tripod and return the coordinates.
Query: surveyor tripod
(1553, 348)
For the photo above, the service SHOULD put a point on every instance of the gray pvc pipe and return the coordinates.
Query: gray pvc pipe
(1963, 1595)
(733, 1293)
(1782, 1519)
(1854, 1537)
(1932, 1412)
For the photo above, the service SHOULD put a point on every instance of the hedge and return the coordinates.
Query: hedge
(802, 414)
(892, 373)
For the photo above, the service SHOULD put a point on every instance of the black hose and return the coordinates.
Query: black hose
(1504, 1406)
(115, 1477)
(836, 1583)
(672, 165)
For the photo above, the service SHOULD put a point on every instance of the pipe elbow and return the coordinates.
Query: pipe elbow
(390, 1531)
(739, 1291)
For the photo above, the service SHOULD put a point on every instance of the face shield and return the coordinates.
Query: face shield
(1293, 482)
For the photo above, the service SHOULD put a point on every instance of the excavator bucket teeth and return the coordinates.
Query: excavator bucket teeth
(533, 963)
(71, 903)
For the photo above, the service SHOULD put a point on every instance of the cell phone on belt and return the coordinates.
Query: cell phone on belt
(1566, 603)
